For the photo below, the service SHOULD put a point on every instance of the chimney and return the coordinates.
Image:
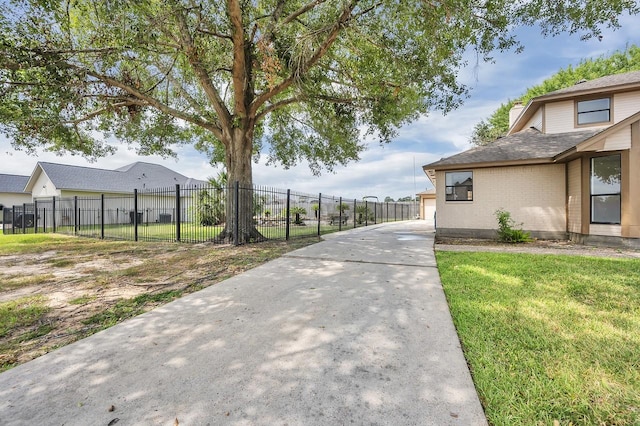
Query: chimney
(514, 112)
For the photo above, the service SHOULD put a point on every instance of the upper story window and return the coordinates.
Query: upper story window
(594, 111)
(459, 186)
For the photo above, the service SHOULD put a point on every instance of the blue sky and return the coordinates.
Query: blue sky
(395, 169)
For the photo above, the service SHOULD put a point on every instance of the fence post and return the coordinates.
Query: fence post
(236, 219)
(340, 214)
(44, 220)
(35, 216)
(375, 213)
(102, 216)
(135, 215)
(366, 212)
(355, 205)
(287, 220)
(24, 213)
(53, 207)
(319, 211)
(75, 215)
(178, 218)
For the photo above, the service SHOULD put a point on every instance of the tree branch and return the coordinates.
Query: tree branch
(213, 33)
(190, 100)
(340, 24)
(295, 99)
(239, 74)
(304, 9)
(276, 106)
(103, 110)
(202, 75)
(151, 101)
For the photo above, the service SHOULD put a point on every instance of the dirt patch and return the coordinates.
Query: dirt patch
(90, 286)
(535, 247)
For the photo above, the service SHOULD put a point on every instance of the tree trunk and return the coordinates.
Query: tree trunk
(239, 226)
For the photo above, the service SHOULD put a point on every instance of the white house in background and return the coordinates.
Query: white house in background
(65, 182)
(12, 191)
(61, 180)
(568, 167)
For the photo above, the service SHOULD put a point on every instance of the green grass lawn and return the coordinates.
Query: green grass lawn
(549, 338)
(189, 232)
(31, 243)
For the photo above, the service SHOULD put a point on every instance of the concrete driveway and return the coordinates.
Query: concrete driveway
(352, 330)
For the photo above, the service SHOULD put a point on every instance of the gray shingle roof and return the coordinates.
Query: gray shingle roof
(529, 144)
(610, 81)
(134, 176)
(13, 183)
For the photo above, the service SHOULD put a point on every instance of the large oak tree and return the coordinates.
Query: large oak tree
(298, 79)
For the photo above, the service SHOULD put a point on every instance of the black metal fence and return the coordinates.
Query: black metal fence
(199, 214)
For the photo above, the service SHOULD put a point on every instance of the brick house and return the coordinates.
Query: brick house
(569, 167)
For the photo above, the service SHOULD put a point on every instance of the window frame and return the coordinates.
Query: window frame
(608, 194)
(446, 196)
(576, 114)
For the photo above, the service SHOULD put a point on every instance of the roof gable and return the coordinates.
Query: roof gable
(604, 85)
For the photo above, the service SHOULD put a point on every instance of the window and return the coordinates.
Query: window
(459, 186)
(594, 111)
(605, 189)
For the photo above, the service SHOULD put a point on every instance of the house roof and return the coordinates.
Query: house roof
(13, 183)
(530, 146)
(429, 193)
(138, 175)
(608, 84)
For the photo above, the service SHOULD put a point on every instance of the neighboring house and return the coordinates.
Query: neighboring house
(64, 181)
(569, 167)
(61, 180)
(428, 205)
(12, 191)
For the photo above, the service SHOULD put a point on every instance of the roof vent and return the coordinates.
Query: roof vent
(581, 81)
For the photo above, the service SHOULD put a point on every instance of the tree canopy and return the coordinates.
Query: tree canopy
(296, 79)
(497, 125)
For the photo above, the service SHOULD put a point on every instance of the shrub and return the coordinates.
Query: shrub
(342, 207)
(209, 207)
(364, 213)
(298, 211)
(507, 231)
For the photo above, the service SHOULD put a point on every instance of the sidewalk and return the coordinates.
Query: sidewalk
(352, 330)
